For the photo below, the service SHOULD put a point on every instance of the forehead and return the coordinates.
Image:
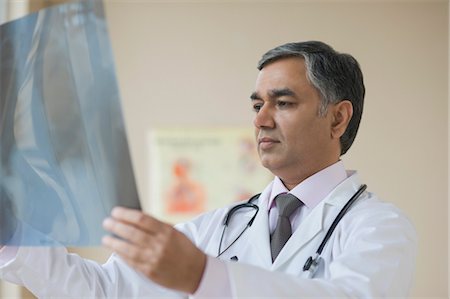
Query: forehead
(283, 73)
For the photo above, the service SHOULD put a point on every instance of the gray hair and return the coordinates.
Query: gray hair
(337, 77)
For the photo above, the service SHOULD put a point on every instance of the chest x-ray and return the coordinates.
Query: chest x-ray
(64, 155)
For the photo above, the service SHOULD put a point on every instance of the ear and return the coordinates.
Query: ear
(342, 113)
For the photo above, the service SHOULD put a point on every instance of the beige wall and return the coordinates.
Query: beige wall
(194, 64)
(16, 8)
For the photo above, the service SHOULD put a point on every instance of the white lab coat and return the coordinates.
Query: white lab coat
(371, 254)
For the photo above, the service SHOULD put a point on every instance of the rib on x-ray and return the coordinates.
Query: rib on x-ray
(64, 155)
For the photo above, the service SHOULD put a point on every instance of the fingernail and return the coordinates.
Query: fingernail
(107, 223)
(116, 211)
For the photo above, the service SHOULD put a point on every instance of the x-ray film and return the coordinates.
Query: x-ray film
(64, 155)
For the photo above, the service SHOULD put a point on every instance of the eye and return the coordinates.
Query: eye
(257, 107)
(284, 104)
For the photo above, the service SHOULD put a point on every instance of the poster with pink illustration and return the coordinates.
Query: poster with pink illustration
(198, 169)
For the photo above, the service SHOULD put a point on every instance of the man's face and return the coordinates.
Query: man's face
(293, 141)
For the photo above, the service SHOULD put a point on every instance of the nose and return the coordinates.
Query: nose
(264, 118)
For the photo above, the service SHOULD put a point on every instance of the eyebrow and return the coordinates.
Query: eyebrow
(255, 96)
(274, 93)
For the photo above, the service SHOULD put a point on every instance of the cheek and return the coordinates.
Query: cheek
(303, 136)
(322, 129)
(319, 135)
(293, 131)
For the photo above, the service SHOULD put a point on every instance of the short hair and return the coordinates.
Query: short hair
(337, 77)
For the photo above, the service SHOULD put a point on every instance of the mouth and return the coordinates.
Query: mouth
(265, 143)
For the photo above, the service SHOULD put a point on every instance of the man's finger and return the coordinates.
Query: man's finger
(127, 231)
(126, 250)
(138, 219)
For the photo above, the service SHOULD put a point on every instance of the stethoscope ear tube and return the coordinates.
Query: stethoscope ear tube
(226, 220)
(248, 204)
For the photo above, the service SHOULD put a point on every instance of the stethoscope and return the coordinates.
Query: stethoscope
(311, 263)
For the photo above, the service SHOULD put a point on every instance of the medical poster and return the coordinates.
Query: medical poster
(64, 155)
(194, 170)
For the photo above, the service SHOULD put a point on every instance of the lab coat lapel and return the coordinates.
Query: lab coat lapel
(259, 233)
(319, 219)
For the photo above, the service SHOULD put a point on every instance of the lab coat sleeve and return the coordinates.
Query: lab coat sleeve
(51, 272)
(54, 273)
(215, 271)
(374, 257)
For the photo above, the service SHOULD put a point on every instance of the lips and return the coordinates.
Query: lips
(267, 142)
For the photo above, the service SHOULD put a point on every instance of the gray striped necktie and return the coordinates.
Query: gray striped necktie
(286, 204)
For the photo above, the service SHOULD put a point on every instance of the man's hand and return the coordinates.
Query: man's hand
(156, 249)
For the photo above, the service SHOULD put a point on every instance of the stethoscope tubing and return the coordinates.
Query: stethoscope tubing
(311, 263)
(338, 218)
(226, 220)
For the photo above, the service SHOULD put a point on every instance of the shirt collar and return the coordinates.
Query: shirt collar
(315, 188)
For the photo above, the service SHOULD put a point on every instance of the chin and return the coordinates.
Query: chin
(270, 165)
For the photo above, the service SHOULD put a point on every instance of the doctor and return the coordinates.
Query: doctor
(308, 103)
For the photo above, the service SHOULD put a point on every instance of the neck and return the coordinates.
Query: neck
(291, 181)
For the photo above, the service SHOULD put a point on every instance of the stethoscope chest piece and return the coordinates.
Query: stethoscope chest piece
(312, 264)
(308, 264)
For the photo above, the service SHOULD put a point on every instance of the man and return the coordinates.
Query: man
(308, 104)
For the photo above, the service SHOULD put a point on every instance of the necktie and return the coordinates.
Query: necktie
(287, 204)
